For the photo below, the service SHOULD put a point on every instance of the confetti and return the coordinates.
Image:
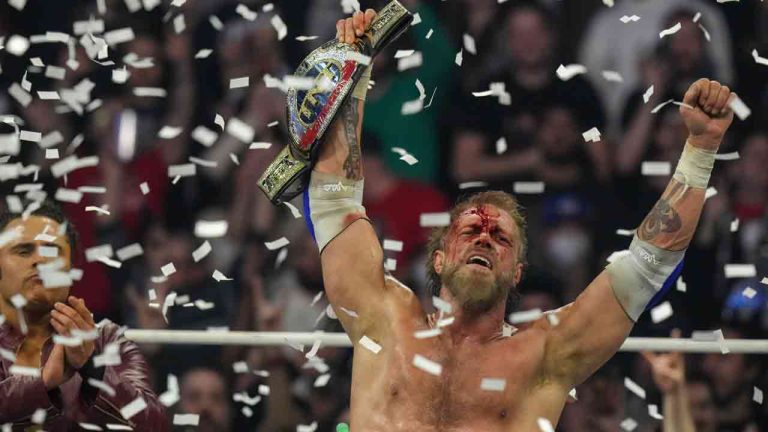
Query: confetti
(96, 252)
(759, 60)
(709, 193)
(409, 62)
(634, 388)
(204, 136)
(186, 419)
(68, 195)
(303, 38)
(757, 395)
(501, 145)
(133, 408)
(131, 251)
(661, 312)
(24, 370)
(459, 57)
(215, 22)
(149, 92)
(706, 33)
(739, 108)
(179, 24)
(612, 76)
(427, 365)
(277, 244)
(48, 95)
(735, 225)
(144, 187)
(740, 271)
(749, 292)
(625, 232)
(119, 36)
(182, 170)
(625, 19)
(681, 286)
(241, 82)
(369, 344)
(240, 130)
(524, 316)
(210, 229)
(20, 95)
(402, 53)
(565, 73)
(219, 276)
(653, 411)
(55, 72)
(169, 132)
(17, 45)
(544, 425)
(658, 107)
(469, 44)
(17, 4)
(528, 187)
(493, 384)
(393, 245)
(245, 12)
(472, 184)
(655, 168)
(279, 26)
(434, 219)
(426, 334)
(670, 31)
(429, 34)
(734, 155)
(38, 417)
(721, 340)
(322, 380)
(168, 269)
(307, 428)
(592, 135)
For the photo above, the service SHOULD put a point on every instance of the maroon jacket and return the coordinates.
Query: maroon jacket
(76, 401)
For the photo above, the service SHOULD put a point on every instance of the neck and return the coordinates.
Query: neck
(477, 327)
(37, 322)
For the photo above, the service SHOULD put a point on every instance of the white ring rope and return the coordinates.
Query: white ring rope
(202, 337)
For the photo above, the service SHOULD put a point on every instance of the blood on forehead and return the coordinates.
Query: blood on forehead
(486, 214)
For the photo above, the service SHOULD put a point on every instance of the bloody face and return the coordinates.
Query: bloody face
(479, 264)
(20, 258)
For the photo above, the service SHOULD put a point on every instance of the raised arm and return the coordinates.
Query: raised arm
(594, 326)
(350, 253)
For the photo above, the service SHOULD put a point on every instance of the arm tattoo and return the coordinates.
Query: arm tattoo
(663, 218)
(353, 164)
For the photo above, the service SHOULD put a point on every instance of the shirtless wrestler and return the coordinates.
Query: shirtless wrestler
(477, 262)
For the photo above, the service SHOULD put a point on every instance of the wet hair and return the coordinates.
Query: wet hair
(50, 210)
(505, 202)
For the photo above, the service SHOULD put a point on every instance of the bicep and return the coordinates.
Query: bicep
(353, 275)
(589, 332)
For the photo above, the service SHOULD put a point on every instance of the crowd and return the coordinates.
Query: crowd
(529, 129)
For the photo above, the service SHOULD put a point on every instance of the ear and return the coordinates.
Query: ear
(518, 273)
(439, 257)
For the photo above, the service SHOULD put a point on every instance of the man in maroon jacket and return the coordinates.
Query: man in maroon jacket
(58, 369)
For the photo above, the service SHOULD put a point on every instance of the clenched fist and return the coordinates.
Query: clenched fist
(711, 114)
(348, 30)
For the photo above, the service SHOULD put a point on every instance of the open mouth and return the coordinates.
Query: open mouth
(480, 261)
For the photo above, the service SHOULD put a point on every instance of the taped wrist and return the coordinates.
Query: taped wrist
(642, 277)
(695, 166)
(331, 204)
(361, 89)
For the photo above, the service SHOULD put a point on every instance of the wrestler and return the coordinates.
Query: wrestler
(404, 383)
(61, 379)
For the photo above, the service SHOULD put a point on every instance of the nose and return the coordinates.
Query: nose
(483, 239)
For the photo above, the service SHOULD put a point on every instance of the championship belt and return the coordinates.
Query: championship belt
(310, 112)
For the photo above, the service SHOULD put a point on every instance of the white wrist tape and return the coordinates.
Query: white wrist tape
(331, 204)
(361, 89)
(643, 276)
(695, 166)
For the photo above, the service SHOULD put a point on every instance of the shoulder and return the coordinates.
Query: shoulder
(401, 295)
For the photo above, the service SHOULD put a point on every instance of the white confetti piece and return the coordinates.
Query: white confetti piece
(179, 25)
(493, 384)
(168, 269)
(710, 192)
(93, 253)
(119, 36)
(219, 276)
(144, 187)
(565, 73)
(182, 170)
(720, 338)
(734, 155)
(757, 395)
(429, 34)
(706, 33)
(393, 245)
(277, 244)
(322, 380)
(670, 31)
(634, 388)
(625, 19)
(612, 76)
(17, 4)
(592, 135)
(307, 428)
(131, 251)
(101, 385)
(302, 38)
(38, 417)
(110, 262)
(749, 292)
(68, 195)
(132, 408)
(434, 219)
(186, 419)
(202, 251)
(273, 124)
(658, 107)
(403, 53)
(55, 72)
(655, 168)
(240, 130)
(90, 426)
(48, 95)
(280, 27)
(17, 45)
(427, 365)
(653, 411)
(735, 225)
(24, 370)
(459, 57)
(241, 82)
(528, 187)
(739, 108)
(390, 264)
(48, 251)
(169, 132)
(472, 185)
(524, 316)
(20, 95)
(204, 136)
(740, 271)
(759, 60)
(211, 229)
(203, 53)
(426, 334)
(501, 145)
(681, 286)
(544, 425)
(31, 136)
(661, 312)
(150, 92)
(245, 12)
(625, 232)
(409, 62)
(469, 44)
(369, 344)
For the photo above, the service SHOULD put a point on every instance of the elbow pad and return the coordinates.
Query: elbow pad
(331, 204)
(642, 277)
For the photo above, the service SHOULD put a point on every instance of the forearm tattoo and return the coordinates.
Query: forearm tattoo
(663, 218)
(353, 164)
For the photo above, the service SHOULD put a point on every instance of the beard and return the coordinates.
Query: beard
(477, 292)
